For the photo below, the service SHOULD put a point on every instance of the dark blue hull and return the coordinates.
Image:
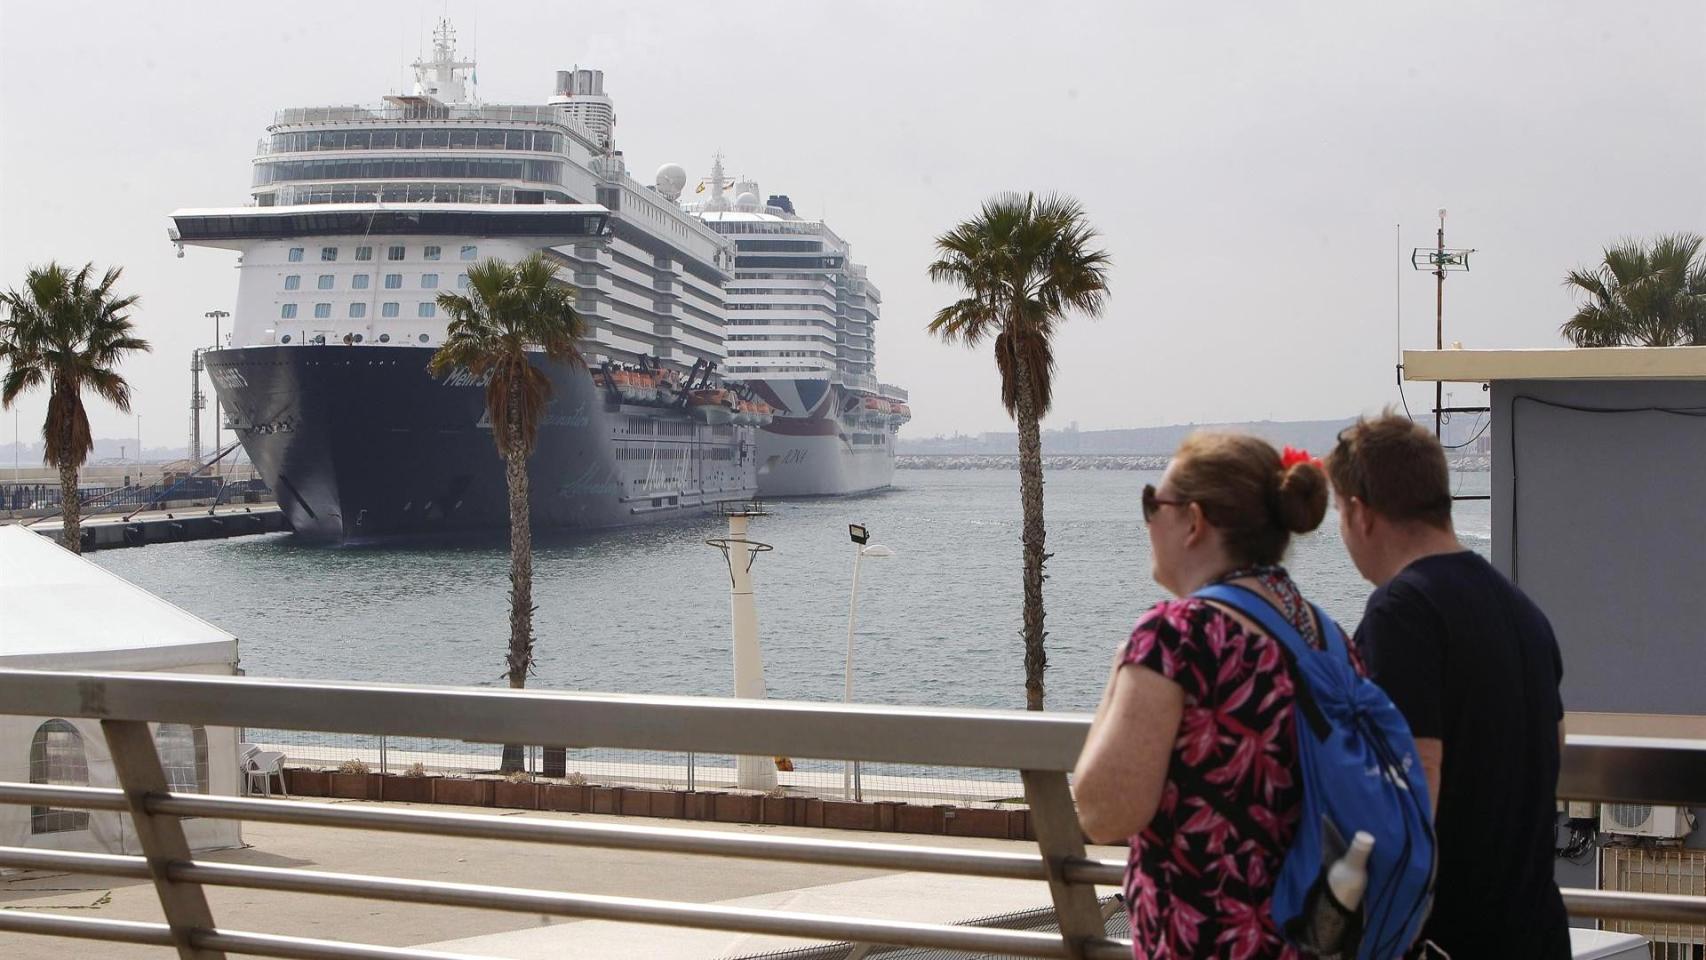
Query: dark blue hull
(359, 441)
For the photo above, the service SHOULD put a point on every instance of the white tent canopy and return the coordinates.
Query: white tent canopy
(59, 611)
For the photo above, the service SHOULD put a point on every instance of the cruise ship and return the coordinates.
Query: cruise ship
(801, 331)
(360, 216)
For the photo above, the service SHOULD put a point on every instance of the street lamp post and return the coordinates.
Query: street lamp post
(862, 548)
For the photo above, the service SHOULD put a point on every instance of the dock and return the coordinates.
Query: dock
(114, 530)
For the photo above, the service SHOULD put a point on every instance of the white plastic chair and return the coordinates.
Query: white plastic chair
(259, 766)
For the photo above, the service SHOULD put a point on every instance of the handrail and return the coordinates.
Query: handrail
(1042, 746)
(931, 736)
(951, 860)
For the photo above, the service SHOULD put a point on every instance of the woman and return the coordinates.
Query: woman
(1199, 702)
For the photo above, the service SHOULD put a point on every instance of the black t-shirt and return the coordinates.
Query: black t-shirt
(1471, 661)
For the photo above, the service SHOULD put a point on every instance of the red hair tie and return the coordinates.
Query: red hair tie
(1292, 456)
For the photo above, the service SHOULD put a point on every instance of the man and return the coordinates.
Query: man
(1473, 665)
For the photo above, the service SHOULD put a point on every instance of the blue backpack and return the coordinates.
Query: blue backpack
(1359, 771)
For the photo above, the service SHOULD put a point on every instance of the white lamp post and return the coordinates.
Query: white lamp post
(862, 548)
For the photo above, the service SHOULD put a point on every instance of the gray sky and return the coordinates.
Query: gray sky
(1246, 165)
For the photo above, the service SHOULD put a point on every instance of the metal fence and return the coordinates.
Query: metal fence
(1041, 746)
(653, 769)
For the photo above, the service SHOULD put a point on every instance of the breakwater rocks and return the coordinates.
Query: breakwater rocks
(1477, 463)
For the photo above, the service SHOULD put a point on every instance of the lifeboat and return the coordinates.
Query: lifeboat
(763, 413)
(899, 412)
(664, 391)
(712, 406)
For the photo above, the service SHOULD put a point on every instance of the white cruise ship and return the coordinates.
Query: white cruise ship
(360, 216)
(801, 331)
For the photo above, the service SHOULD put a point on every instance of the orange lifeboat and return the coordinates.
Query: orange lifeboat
(712, 406)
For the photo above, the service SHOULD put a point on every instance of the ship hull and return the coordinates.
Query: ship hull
(820, 442)
(361, 442)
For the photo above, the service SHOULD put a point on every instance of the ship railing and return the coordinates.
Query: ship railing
(1041, 746)
(513, 113)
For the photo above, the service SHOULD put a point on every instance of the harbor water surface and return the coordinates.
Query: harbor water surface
(646, 610)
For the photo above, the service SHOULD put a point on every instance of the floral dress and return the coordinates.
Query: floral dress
(1195, 885)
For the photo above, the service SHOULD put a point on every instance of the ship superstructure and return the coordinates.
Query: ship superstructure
(362, 216)
(801, 331)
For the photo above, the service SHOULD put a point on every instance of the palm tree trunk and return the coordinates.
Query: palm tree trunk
(71, 509)
(1031, 498)
(520, 575)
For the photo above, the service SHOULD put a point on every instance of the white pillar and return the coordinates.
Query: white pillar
(751, 773)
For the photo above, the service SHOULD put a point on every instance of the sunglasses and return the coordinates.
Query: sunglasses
(1152, 503)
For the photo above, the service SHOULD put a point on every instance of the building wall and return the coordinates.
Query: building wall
(1599, 515)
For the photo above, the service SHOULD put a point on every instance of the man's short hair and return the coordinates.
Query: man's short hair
(1395, 467)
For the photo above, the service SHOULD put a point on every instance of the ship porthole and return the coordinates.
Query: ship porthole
(385, 338)
(285, 338)
(423, 338)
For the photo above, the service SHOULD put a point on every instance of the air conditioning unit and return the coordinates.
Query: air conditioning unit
(1644, 820)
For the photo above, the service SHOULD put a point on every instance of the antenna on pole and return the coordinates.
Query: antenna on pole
(1439, 260)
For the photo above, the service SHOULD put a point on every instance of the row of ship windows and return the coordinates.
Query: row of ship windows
(425, 310)
(330, 254)
(535, 171)
(820, 307)
(536, 140)
(360, 281)
(660, 428)
(408, 193)
(781, 353)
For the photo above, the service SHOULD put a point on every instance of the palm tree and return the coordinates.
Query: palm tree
(509, 313)
(1023, 262)
(69, 331)
(1641, 294)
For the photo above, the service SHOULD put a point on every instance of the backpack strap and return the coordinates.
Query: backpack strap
(1291, 643)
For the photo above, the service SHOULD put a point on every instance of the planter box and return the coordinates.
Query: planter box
(736, 808)
(468, 793)
(888, 814)
(972, 822)
(518, 796)
(916, 819)
(408, 789)
(655, 803)
(1019, 825)
(355, 786)
(306, 783)
(775, 810)
(849, 815)
(634, 802)
(565, 797)
(606, 800)
(697, 805)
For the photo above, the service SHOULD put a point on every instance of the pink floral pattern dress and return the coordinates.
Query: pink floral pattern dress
(1195, 885)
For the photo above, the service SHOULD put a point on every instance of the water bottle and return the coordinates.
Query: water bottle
(1348, 877)
(1332, 928)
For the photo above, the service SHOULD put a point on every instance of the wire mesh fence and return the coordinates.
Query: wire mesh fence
(657, 770)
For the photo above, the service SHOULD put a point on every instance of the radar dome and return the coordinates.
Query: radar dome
(671, 179)
(747, 201)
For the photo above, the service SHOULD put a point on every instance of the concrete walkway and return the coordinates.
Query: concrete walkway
(853, 891)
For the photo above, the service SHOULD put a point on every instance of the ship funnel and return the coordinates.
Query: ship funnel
(580, 96)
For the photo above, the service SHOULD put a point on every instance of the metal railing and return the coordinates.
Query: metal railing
(1041, 746)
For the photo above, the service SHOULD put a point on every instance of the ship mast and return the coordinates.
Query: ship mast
(444, 77)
